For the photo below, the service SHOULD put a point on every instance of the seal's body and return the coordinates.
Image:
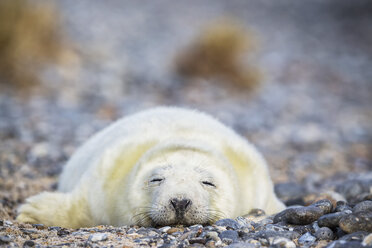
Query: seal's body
(159, 167)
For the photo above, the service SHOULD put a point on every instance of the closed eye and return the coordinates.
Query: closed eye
(209, 184)
(156, 180)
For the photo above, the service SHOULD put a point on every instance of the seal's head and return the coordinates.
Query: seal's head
(184, 186)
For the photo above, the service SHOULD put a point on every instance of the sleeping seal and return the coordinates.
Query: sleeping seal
(163, 166)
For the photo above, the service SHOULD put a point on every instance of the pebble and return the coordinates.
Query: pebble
(229, 234)
(359, 221)
(283, 242)
(367, 240)
(350, 189)
(325, 205)
(164, 229)
(363, 206)
(228, 223)
(299, 215)
(324, 233)
(344, 244)
(29, 243)
(356, 236)
(332, 220)
(98, 237)
(241, 245)
(4, 239)
(342, 206)
(306, 239)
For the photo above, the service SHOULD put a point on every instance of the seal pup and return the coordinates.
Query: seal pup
(163, 166)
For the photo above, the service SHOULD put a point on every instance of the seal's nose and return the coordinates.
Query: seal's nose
(180, 205)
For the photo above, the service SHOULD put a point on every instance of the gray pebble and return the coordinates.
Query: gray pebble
(29, 243)
(325, 205)
(363, 206)
(4, 239)
(283, 242)
(356, 236)
(299, 215)
(96, 237)
(241, 245)
(324, 233)
(342, 206)
(164, 229)
(228, 223)
(367, 241)
(350, 189)
(359, 221)
(229, 234)
(332, 220)
(274, 234)
(344, 244)
(306, 239)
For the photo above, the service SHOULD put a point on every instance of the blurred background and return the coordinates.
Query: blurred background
(294, 77)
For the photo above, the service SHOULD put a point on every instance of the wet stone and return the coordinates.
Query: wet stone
(332, 220)
(359, 221)
(306, 239)
(228, 223)
(324, 233)
(299, 215)
(363, 206)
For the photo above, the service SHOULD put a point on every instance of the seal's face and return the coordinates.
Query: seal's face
(183, 189)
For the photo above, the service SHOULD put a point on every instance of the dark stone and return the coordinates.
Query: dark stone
(198, 241)
(357, 236)
(228, 223)
(332, 220)
(4, 239)
(363, 206)
(324, 233)
(29, 243)
(62, 232)
(360, 221)
(345, 244)
(342, 206)
(325, 205)
(229, 234)
(299, 215)
(304, 229)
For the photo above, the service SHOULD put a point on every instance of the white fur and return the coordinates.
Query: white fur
(108, 180)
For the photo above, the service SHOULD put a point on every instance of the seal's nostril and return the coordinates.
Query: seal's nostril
(180, 205)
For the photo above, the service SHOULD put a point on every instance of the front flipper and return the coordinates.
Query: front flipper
(56, 209)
